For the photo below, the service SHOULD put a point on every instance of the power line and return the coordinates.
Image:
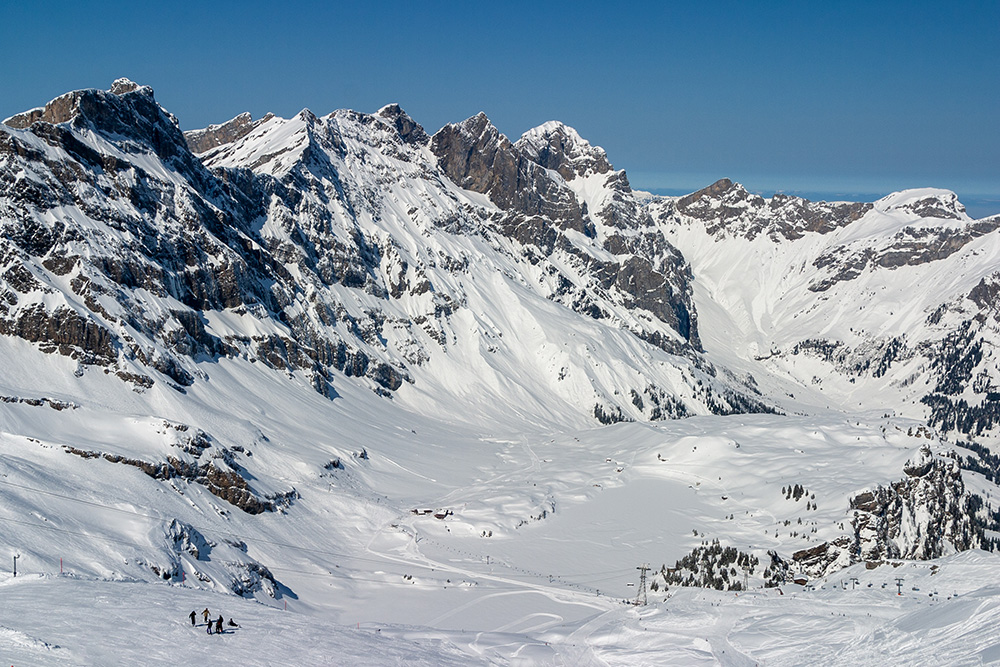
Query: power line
(201, 529)
(351, 577)
(73, 532)
(325, 552)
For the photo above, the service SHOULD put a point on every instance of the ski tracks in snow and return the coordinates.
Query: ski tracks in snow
(725, 652)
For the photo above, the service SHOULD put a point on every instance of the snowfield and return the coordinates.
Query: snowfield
(947, 614)
(531, 561)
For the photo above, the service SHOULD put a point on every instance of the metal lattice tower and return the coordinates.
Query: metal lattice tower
(642, 583)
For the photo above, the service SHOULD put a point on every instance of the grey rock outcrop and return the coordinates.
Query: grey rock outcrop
(727, 208)
(476, 156)
(927, 514)
(200, 141)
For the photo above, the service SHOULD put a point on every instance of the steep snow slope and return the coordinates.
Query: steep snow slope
(342, 247)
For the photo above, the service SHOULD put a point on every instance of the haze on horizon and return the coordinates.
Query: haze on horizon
(857, 97)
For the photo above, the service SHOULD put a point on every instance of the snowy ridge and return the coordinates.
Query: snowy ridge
(875, 301)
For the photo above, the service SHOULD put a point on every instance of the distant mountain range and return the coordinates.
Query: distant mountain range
(358, 245)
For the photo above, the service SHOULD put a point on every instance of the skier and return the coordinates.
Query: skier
(208, 628)
(192, 618)
(205, 614)
(233, 624)
(218, 625)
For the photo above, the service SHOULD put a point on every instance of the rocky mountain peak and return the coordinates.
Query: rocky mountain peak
(925, 203)
(722, 189)
(130, 120)
(410, 131)
(556, 146)
(472, 153)
(87, 102)
(476, 156)
(307, 116)
(123, 85)
(478, 130)
(722, 200)
(921, 463)
(728, 208)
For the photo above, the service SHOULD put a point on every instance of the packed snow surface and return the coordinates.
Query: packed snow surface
(944, 613)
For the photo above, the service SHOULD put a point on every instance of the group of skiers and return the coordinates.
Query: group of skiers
(208, 621)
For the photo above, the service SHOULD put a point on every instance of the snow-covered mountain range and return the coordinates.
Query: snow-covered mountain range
(337, 360)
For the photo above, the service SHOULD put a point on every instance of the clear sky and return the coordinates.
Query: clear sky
(796, 96)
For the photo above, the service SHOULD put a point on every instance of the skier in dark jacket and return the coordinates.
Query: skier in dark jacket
(233, 624)
(218, 625)
(192, 618)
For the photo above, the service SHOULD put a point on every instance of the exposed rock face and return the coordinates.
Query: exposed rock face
(188, 539)
(65, 332)
(651, 274)
(409, 130)
(910, 246)
(246, 576)
(942, 206)
(729, 209)
(477, 157)
(123, 85)
(212, 136)
(224, 481)
(559, 148)
(925, 515)
(191, 242)
(986, 294)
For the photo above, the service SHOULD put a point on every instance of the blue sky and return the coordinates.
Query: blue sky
(821, 97)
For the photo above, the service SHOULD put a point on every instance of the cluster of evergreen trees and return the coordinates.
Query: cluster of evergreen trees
(796, 493)
(957, 415)
(983, 461)
(709, 566)
(609, 415)
(956, 359)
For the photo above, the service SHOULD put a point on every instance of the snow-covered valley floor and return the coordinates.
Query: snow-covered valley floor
(411, 537)
(449, 544)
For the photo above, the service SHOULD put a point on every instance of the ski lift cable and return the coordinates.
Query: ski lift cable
(260, 540)
(210, 531)
(491, 586)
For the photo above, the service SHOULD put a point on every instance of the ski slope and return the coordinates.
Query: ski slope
(947, 614)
